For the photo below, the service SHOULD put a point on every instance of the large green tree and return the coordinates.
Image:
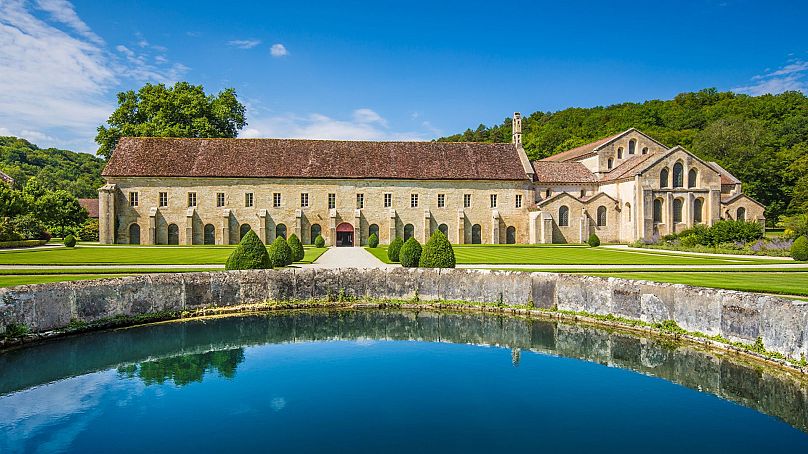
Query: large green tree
(183, 110)
(60, 210)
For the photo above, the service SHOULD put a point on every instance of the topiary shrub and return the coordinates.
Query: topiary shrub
(394, 249)
(799, 250)
(410, 253)
(280, 253)
(319, 242)
(297, 248)
(373, 240)
(70, 241)
(250, 254)
(593, 240)
(437, 252)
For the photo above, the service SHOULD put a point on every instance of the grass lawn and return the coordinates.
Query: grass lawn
(576, 255)
(130, 255)
(10, 281)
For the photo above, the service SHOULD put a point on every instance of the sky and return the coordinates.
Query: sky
(383, 70)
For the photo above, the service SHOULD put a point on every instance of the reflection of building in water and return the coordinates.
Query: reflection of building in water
(516, 356)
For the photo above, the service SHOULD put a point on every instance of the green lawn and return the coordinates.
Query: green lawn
(129, 255)
(10, 281)
(576, 255)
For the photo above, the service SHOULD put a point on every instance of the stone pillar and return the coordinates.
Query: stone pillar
(669, 213)
(357, 236)
(152, 226)
(546, 228)
(225, 227)
(299, 224)
(646, 216)
(332, 227)
(392, 226)
(495, 227)
(583, 231)
(534, 227)
(427, 226)
(713, 206)
(106, 214)
(262, 226)
(189, 226)
(687, 211)
(461, 227)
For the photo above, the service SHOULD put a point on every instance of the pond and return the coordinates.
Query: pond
(389, 381)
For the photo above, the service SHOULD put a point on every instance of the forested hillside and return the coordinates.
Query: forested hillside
(763, 140)
(77, 173)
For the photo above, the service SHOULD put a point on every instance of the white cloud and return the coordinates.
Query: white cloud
(244, 43)
(278, 50)
(791, 77)
(63, 11)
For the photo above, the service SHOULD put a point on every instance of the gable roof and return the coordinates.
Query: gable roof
(563, 172)
(726, 177)
(5, 178)
(628, 168)
(584, 200)
(590, 148)
(299, 158)
(725, 200)
(91, 205)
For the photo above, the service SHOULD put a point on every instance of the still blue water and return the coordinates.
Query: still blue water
(337, 382)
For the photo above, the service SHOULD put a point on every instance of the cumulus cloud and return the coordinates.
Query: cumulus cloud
(244, 43)
(791, 77)
(278, 50)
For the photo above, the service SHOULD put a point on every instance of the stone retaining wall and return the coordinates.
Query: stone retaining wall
(738, 316)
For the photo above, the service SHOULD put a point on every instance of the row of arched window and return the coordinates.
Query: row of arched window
(209, 233)
(678, 208)
(564, 216)
(632, 149)
(678, 177)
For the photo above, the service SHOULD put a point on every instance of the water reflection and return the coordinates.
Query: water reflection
(184, 353)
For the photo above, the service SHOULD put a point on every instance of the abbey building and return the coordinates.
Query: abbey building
(213, 191)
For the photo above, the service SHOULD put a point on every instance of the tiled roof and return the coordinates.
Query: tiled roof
(726, 177)
(563, 172)
(580, 151)
(628, 168)
(6, 178)
(91, 205)
(297, 158)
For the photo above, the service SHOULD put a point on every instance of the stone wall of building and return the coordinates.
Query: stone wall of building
(781, 324)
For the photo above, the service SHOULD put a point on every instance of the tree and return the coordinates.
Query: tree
(60, 210)
(373, 240)
(183, 110)
(280, 253)
(410, 253)
(394, 249)
(437, 252)
(12, 202)
(297, 248)
(250, 254)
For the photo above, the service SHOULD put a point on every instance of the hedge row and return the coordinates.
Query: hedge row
(21, 243)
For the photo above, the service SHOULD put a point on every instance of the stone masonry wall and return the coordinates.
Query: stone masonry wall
(738, 316)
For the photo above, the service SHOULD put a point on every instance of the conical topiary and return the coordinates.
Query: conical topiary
(394, 248)
(297, 248)
(280, 253)
(319, 242)
(373, 240)
(593, 240)
(410, 253)
(799, 250)
(437, 252)
(250, 254)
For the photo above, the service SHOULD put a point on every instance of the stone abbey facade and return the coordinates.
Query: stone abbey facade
(213, 191)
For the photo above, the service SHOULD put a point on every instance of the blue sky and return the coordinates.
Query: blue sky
(384, 70)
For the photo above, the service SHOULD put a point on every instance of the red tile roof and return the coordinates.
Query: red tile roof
(562, 172)
(580, 151)
(91, 205)
(298, 158)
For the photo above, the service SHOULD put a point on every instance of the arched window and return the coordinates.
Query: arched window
(510, 235)
(409, 231)
(698, 208)
(678, 175)
(280, 231)
(632, 146)
(692, 176)
(373, 229)
(677, 210)
(663, 178)
(628, 211)
(644, 150)
(444, 229)
(134, 234)
(563, 216)
(620, 153)
(657, 211)
(601, 216)
(314, 232)
(243, 230)
(173, 234)
(610, 163)
(547, 193)
(740, 214)
(476, 234)
(210, 234)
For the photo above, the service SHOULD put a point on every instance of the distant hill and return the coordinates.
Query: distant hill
(79, 173)
(763, 140)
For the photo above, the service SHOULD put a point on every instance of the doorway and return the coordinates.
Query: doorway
(345, 235)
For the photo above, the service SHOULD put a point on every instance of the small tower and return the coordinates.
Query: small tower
(517, 128)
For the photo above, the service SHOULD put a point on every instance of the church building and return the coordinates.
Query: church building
(213, 191)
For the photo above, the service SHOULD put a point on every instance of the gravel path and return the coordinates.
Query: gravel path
(347, 257)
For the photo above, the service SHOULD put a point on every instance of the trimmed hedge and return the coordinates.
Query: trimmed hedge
(799, 250)
(593, 240)
(437, 252)
(410, 253)
(373, 240)
(319, 242)
(297, 248)
(21, 243)
(250, 254)
(394, 249)
(280, 253)
(70, 241)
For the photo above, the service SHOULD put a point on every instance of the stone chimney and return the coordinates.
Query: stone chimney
(517, 128)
